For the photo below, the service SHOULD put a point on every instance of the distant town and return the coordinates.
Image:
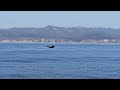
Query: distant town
(62, 40)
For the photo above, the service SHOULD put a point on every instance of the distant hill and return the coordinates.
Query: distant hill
(53, 32)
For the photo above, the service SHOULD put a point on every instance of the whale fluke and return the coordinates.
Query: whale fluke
(51, 46)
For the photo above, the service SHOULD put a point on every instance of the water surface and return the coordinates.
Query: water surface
(65, 61)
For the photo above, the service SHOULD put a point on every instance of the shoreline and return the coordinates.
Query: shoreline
(60, 42)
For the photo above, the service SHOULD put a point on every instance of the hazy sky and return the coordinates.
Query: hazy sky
(10, 19)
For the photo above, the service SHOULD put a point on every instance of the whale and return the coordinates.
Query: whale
(51, 46)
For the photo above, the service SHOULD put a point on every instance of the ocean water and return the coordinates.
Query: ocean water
(65, 61)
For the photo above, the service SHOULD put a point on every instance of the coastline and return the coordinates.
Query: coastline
(60, 42)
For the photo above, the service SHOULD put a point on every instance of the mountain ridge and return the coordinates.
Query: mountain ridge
(75, 34)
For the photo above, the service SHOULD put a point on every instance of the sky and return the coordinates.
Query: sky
(108, 19)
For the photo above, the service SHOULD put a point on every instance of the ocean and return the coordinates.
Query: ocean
(65, 61)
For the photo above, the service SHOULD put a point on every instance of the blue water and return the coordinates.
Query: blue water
(65, 61)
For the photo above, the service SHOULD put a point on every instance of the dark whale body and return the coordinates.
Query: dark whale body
(51, 46)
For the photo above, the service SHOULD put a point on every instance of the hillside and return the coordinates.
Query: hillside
(76, 34)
